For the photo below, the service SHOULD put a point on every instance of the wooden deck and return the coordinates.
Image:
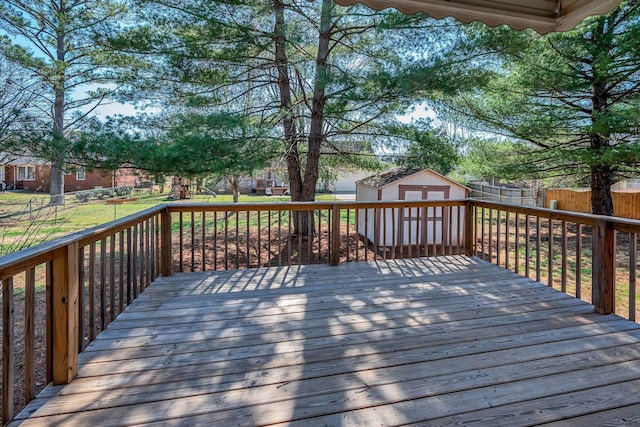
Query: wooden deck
(438, 341)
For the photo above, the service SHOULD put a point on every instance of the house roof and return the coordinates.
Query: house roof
(544, 16)
(388, 177)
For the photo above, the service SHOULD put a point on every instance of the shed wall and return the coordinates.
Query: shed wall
(382, 227)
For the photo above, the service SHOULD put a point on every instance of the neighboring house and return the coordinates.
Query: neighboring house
(386, 228)
(345, 181)
(29, 173)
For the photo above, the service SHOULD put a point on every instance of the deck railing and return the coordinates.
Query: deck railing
(588, 256)
(58, 296)
(70, 289)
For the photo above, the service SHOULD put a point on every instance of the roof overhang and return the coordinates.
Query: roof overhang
(543, 16)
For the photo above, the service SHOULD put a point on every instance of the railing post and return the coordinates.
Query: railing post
(66, 271)
(335, 235)
(603, 273)
(165, 237)
(468, 229)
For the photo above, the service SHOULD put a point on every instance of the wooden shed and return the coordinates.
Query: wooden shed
(386, 228)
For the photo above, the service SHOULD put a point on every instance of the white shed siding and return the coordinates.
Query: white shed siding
(389, 232)
(364, 192)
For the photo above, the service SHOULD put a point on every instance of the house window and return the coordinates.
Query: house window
(81, 175)
(1, 173)
(26, 173)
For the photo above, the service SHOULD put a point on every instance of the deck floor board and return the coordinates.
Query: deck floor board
(435, 341)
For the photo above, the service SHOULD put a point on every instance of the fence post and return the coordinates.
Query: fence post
(603, 274)
(468, 228)
(335, 235)
(165, 237)
(66, 271)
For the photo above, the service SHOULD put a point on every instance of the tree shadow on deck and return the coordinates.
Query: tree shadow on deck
(379, 343)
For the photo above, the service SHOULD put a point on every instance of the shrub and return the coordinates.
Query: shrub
(122, 191)
(83, 196)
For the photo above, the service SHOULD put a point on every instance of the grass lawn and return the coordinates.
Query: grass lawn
(26, 219)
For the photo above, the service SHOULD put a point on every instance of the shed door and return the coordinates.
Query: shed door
(418, 226)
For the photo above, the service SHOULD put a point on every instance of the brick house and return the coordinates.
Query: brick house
(32, 174)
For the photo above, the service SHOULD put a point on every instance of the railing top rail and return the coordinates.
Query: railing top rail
(302, 206)
(18, 262)
(622, 224)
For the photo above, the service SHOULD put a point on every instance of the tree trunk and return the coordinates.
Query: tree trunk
(316, 127)
(291, 155)
(234, 182)
(601, 173)
(56, 190)
(601, 181)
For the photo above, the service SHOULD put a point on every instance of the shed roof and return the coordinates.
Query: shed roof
(542, 15)
(388, 177)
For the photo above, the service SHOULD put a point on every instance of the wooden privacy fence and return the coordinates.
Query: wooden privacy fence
(58, 296)
(626, 204)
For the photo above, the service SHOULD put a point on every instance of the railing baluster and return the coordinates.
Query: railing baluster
(444, 230)
(192, 232)
(563, 284)
(300, 217)
(49, 321)
(498, 218)
(203, 240)
(550, 255)
(309, 236)
(483, 233)
(459, 230)
(134, 258)
(226, 240)
(633, 251)
(92, 291)
(538, 249)
(259, 248)
(215, 240)
(237, 239)
(434, 231)
(103, 284)
(130, 264)
(154, 248)
(181, 241)
(121, 255)
(394, 229)
(506, 240)
(141, 252)
(112, 276)
(366, 234)
(279, 238)
(148, 232)
(385, 243)
(348, 246)
(30, 334)
(8, 350)
(248, 242)
(490, 243)
(579, 262)
(527, 246)
(269, 235)
(335, 235)
(81, 299)
(517, 236)
(289, 240)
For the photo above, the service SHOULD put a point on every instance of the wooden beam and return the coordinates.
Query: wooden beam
(603, 274)
(66, 270)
